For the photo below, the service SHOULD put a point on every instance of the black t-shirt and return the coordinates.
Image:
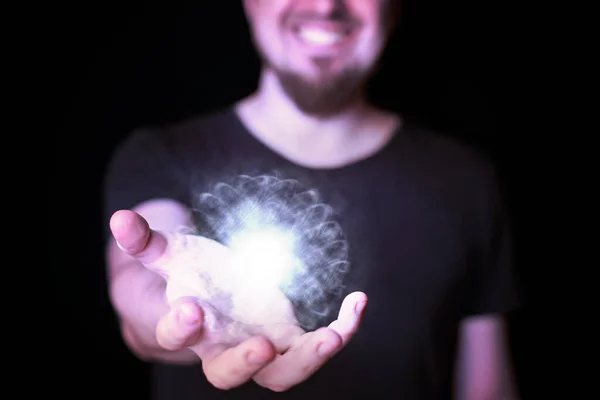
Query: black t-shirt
(428, 243)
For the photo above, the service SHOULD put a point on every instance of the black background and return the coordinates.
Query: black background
(456, 66)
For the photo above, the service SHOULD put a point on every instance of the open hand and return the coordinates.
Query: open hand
(238, 334)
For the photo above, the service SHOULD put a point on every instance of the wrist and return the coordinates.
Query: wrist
(138, 296)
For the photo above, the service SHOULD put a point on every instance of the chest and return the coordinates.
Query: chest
(407, 238)
(408, 246)
(407, 241)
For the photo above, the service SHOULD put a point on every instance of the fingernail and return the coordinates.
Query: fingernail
(359, 307)
(187, 315)
(119, 245)
(325, 349)
(254, 358)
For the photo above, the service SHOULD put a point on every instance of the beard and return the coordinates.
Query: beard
(325, 96)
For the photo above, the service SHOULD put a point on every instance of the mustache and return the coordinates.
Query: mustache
(340, 16)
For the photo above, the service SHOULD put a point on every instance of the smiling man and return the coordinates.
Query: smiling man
(423, 226)
(320, 58)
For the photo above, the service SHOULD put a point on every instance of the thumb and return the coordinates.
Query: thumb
(181, 327)
(134, 236)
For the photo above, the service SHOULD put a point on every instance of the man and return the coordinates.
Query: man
(429, 244)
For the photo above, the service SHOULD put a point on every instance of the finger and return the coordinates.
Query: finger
(181, 327)
(350, 315)
(236, 366)
(301, 361)
(281, 336)
(134, 237)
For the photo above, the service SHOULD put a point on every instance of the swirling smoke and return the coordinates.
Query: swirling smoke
(302, 225)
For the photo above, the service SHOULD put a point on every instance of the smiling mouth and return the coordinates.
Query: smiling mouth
(324, 34)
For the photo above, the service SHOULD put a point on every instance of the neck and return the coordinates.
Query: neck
(353, 133)
(283, 113)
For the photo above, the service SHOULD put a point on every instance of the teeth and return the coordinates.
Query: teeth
(320, 36)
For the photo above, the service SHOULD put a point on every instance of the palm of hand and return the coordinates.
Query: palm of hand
(277, 353)
(236, 308)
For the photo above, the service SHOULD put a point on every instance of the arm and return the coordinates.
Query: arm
(483, 369)
(143, 171)
(137, 294)
(142, 168)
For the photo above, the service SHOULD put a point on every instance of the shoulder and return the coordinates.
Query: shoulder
(446, 152)
(167, 150)
(188, 133)
(457, 168)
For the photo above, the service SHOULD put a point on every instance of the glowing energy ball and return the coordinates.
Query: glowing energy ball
(281, 235)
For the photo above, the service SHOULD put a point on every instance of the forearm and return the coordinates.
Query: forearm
(483, 367)
(137, 295)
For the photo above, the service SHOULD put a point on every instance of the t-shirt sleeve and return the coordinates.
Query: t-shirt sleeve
(493, 278)
(141, 169)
